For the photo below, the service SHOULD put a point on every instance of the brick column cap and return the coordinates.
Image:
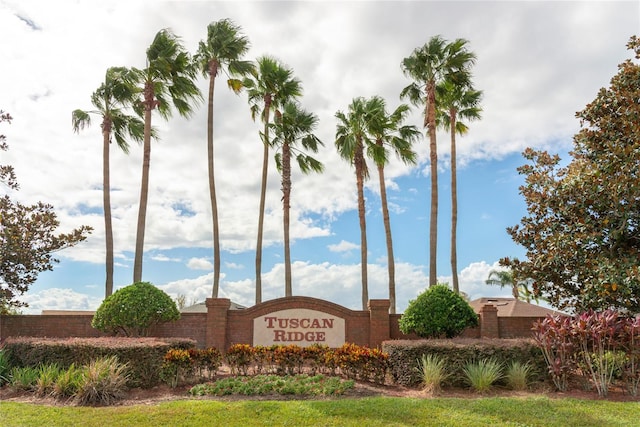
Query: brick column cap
(218, 302)
(379, 303)
(489, 308)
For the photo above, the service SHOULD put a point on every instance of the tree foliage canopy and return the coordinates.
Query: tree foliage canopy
(133, 309)
(438, 312)
(582, 231)
(27, 240)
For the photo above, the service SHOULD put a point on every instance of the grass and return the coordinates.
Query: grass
(518, 375)
(482, 374)
(432, 372)
(378, 411)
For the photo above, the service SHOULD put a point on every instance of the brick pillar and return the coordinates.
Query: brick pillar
(489, 322)
(216, 335)
(379, 329)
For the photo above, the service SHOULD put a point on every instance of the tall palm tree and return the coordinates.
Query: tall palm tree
(351, 139)
(221, 51)
(271, 85)
(110, 100)
(293, 137)
(456, 102)
(169, 78)
(436, 61)
(388, 133)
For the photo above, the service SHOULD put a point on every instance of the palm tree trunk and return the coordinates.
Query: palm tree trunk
(263, 194)
(212, 184)
(359, 164)
(387, 229)
(106, 202)
(286, 203)
(454, 205)
(433, 152)
(144, 186)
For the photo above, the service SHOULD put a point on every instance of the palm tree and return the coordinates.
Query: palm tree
(387, 132)
(292, 128)
(221, 51)
(519, 288)
(351, 138)
(169, 78)
(456, 102)
(436, 61)
(271, 85)
(116, 92)
(503, 278)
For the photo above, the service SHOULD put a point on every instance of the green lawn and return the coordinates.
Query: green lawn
(377, 411)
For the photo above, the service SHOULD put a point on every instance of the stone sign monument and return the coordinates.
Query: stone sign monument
(300, 326)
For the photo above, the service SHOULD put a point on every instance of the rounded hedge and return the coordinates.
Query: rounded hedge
(133, 309)
(438, 312)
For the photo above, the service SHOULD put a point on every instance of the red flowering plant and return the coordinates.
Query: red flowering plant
(631, 343)
(263, 359)
(288, 359)
(314, 357)
(239, 357)
(362, 362)
(554, 337)
(598, 336)
(209, 361)
(176, 367)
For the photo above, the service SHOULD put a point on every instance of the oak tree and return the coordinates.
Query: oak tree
(582, 230)
(28, 240)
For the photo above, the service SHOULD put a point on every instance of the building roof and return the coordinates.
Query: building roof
(202, 308)
(511, 307)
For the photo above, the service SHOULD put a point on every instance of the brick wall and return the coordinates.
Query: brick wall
(221, 327)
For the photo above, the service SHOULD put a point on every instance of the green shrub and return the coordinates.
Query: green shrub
(432, 372)
(103, 382)
(482, 374)
(133, 309)
(438, 312)
(457, 352)
(517, 375)
(143, 355)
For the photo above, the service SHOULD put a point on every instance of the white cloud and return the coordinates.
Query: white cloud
(59, 299)
(233, 266)
(343, 246)
(199, 264)
(164, 258)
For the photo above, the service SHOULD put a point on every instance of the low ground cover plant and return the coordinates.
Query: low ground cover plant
(298, 385)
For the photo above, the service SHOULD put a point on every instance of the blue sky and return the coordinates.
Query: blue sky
(538, 63)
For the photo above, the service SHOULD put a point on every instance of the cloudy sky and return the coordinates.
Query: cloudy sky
(537, 64)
